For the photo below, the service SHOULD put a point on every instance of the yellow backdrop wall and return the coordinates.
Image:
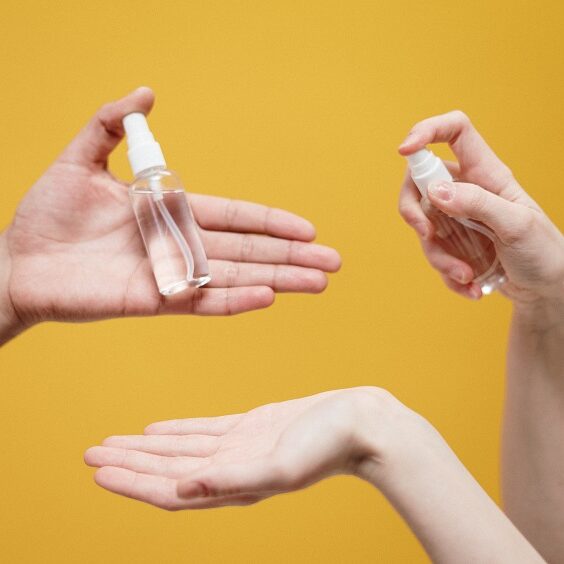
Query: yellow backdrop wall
(300, 105)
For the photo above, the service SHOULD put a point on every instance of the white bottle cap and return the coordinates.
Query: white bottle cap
(425, 168)
(144, 152)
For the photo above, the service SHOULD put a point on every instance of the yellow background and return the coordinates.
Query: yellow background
(300, 105)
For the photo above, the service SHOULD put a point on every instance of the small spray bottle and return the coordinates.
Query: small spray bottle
(166, 222)
(465, 239)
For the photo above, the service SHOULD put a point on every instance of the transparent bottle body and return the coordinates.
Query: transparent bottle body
(471, 242)
(169, 230)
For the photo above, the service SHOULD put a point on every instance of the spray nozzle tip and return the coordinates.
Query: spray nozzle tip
(137, 128)
(144, 152)
(418, 157)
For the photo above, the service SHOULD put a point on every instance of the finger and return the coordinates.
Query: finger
(471, 291)
(172, 467)
(449, 266)
(158, 490)
(509, 221)
(281, 278)
(223, 214)
(259, 248)
(224, 501)
(166, 445)
(94, 143)
(456, 129)
(218, 301)
(409, 208)
(232, 479)
(195, 426)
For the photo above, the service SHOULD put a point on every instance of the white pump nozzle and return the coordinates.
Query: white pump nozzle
(144, 152)
(425, 168)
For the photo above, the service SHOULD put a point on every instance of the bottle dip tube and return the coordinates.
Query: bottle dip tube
(166, 222)
(467, 240)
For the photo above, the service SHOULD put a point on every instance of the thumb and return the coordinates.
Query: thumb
(94, 143)
(508, 220)
(229, 479)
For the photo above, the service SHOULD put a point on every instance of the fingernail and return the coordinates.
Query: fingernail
(443, 190)
(475, 292)
(457, 273)
(192, 489)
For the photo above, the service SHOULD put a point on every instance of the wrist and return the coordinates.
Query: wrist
(393, 441)
(541, 315)
(10, 323)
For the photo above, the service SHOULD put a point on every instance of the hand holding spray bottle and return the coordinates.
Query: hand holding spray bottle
(465, 239)
(164, 216)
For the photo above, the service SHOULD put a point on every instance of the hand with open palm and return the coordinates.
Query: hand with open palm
(282, 447)
(241, 459)
(74, 252)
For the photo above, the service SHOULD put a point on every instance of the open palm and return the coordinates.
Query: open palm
(234, 459)
(76, 252)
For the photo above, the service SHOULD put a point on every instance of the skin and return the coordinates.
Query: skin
(73, 251)
(531, 250)
(278, 448)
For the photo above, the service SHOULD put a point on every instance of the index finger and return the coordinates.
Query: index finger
(471, 150)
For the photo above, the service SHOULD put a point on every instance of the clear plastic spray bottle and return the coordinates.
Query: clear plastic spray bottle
(166, 222)
(465, 239)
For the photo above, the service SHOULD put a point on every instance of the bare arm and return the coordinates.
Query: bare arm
(533, 432)
(277, 448)
(531, 250)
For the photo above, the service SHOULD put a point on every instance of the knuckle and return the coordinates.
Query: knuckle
(266, 220)
(408, 212)
(291, 252)
(228, 305)
(197, 298)
(461, 118)
(524, 222)
(104, 110)
(230, 213)
(247, 246)
(505, 174)
(477, 199)
(231, 274)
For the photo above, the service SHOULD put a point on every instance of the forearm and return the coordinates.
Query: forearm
(451, 515)
(533, 431)
(10, 324)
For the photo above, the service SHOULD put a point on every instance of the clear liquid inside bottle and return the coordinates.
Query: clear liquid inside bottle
(472, 243)
(171, 237)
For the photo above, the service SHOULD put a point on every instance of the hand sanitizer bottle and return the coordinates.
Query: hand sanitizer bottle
(166, 222)
(465, 239)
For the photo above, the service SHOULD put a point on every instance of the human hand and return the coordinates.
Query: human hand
(241, 459)
(282, 447)
(530, 247)
(73, 251)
